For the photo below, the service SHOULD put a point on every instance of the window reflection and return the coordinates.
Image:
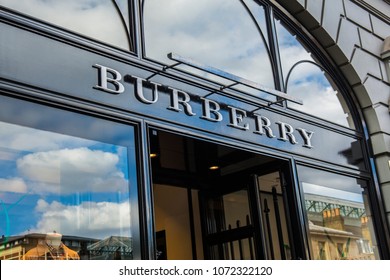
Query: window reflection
(218, 33)
(98, 19)
(64, 196)
(307, 81)
(339, 218)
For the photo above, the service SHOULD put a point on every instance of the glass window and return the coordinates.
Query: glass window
(305, 79)
(228, 35)
(339, 219)
(104, 20)
(68, 182)
(278, 245)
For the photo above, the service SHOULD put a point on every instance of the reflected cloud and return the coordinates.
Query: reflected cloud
(308, 83)
(15, 185)
(72, 170)
(225, 37)
(321, 101)
(329, 180)
(92, 219)
(55, 177)
(20, 138)
(55, 163)
(332, 193)
(95, 18)
(82, 173)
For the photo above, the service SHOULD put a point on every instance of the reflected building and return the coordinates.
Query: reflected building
(54, 246)
(338, 229)
(50, 246)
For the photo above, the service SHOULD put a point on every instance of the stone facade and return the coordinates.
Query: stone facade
(353, 33)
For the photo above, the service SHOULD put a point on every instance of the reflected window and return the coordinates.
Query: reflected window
(305, 79)
(321, 250)
(104, 20)
(228, 35)
(339, 219)
(68, 183)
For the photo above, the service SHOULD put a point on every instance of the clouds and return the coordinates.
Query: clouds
(15, 185)
(53, 181)
(90, 219)
(221, 34)
(72, 170)
(217, 33)
(95, 18)
(319, 100)
(21, 138)
(47, 162)
(308, 82)
(331, 193)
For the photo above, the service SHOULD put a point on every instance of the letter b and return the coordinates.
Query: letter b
(108, 76)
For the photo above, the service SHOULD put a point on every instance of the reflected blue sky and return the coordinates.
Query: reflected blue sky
(308, 82)
(51, 181)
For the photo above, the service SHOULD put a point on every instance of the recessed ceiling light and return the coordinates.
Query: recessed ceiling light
(214, 167)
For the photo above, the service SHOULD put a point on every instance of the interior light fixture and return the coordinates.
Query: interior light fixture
(214, 167)
(153, 155)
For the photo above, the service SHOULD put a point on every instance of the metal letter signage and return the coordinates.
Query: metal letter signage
(104, 80)
(110, 81)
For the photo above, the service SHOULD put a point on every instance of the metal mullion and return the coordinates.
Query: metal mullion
(149, 245)
(138, 38)
(274, 48)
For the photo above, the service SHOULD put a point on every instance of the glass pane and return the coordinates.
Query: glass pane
(217, 33)
(173, 220)
(230, 211)
(339, 218)
(67, 190)
(241, 249)
(98, 19)
(274, 217)
(308, 82)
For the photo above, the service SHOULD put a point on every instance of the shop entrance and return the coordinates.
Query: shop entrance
(217, 202)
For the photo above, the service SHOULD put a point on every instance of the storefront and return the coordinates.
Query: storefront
(179, 130)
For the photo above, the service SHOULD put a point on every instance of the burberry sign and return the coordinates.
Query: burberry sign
(113, 82)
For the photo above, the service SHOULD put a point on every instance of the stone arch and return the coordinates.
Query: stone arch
(353, 36)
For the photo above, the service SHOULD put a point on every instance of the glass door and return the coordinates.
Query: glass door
(213, 201)
(273, 194)
(245, 218)
(231, 223)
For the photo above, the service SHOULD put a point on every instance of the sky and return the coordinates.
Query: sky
(94, 18)
(332, 193)
(54, 182)
(208, 32)
(330, 185)
(222, 34)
